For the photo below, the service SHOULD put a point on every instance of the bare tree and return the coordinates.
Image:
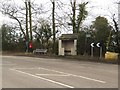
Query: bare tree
(20, 14)
(12, 12)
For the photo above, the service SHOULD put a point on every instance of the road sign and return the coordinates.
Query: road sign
(98, 45)
(92, 44)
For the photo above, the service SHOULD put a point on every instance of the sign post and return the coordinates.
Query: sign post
(100, 52)
(30, 46)
(99, 46)
(92, 46)
(27, 47)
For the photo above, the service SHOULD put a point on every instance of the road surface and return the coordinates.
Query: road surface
(31, 72)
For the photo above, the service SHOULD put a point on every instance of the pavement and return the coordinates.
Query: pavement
(32, 72)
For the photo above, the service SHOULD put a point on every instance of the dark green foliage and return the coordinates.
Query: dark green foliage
(116, 39)
(10, 40)
(42, 36)
(99, 32)
(56, 47)
(82, 15)
(81, 43)
(102, 29)
(7, 42)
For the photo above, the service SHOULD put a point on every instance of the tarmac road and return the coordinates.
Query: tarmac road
(31, 72)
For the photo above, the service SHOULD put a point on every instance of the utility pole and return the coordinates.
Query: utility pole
(74, 14)
(53, 26)
(30, 20)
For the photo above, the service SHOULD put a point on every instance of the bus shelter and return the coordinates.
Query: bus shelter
(68, 44)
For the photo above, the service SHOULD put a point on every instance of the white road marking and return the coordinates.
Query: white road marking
(49, 80)
(84, 77)
(25, 68)
(51, 75)
(74, 75)
(52, 70)
(44, 69)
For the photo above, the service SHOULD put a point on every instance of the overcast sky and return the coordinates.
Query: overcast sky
(95, 7)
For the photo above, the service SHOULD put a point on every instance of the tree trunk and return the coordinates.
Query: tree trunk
(53, 20)
(30, 18)
(27, 35)
(74, 13)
